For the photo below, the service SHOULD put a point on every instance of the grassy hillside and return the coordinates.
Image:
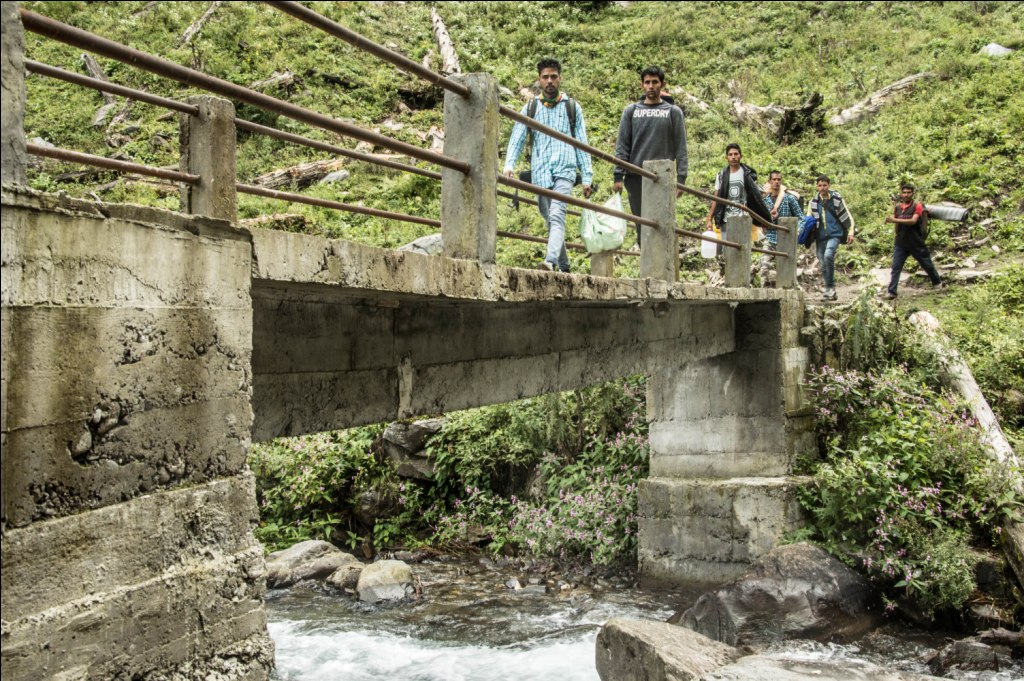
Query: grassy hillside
(959, 136)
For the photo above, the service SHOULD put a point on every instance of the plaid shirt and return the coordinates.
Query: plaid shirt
(790, 208)
(551, 158)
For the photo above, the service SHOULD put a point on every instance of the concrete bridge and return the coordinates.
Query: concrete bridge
(144, 350)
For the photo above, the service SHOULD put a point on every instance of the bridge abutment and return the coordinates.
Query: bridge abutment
(127, 507)
(725, 432)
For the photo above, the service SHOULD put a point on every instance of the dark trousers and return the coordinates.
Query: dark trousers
(921, 255)
(634, 187)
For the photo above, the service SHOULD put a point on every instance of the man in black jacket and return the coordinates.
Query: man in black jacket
(738, 183)
(651, 129)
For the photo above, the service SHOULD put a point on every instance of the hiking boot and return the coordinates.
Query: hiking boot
(545, 266)
(888, 295)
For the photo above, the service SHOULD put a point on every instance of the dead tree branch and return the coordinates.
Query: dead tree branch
(449, 58)
(197, 25)
(876, 100)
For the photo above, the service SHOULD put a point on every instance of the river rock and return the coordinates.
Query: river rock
(425, 245)
(306, 560)
(796, 591)
(385, 580)
(967, 655)
(656, 651)
(798, 668)
(404, 445)
(346, 577)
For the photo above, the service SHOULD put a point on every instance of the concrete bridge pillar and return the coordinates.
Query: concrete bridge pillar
(469, 202)
(208, 150)
(737, 260)
(785, 268)
(659, 250)
(725, 432)
(12, 143)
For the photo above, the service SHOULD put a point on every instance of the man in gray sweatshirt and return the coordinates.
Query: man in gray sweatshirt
(651, 129)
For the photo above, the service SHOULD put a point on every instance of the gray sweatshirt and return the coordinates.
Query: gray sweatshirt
(650, 133)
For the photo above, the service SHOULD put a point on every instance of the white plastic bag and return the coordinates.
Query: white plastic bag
(602, 232)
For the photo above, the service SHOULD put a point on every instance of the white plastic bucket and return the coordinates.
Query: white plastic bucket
(709, 249)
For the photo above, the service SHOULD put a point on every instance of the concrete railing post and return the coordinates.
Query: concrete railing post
(469, 202)
(13, 140)
(737, 260)
(659, 250)
(786, 267)
(602, 264)
(208, 150)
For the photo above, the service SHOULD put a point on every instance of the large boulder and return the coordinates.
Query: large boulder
(629, 650)
(796, 591)
(311, 559)
(385, 580)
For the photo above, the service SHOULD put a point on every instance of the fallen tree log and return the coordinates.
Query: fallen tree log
(449, 57)
(786, 123)
(299, 176)
(876, 100)
(958, 377)
(198, 24)
(278, 80)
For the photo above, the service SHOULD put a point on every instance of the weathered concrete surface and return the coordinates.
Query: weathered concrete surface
(207, 143)
(659, 252)
(348, 334)
(711, 530)
(469, 204)
(634, 650)
(12, 61)
(725, 432)
(126, 354)
(127, 511)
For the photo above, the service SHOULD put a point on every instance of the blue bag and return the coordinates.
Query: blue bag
(808, 231)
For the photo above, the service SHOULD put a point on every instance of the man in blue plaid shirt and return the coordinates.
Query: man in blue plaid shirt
(553, 164)
(781, 204)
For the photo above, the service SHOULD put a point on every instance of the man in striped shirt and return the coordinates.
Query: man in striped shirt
(553, 164)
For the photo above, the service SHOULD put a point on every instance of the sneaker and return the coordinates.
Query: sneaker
(545, 266)
(938, 287)
(830, 294)
(890, 296)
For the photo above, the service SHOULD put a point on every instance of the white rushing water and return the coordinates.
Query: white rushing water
(324, 655)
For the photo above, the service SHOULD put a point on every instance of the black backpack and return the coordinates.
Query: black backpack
(922, 222)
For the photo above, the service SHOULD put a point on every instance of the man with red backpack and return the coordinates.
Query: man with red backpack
(909, 218)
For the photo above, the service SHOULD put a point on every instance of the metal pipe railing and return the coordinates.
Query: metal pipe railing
(105, 86)
(324, 146)
(327, 203)
(173, 104)
(84, 40)
(110, 163)
(573, 142)
(351, 37)
(570, 245)
(709, 239)
(573, 201)
(726, 202)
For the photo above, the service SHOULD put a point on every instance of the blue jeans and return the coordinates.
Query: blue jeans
(921, 255)
(554, 215)
(827, 259)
